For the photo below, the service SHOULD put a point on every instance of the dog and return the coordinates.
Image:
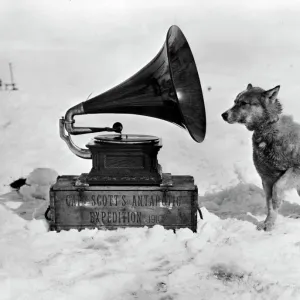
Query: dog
(275, 142)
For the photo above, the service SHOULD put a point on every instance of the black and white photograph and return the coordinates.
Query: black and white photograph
(149, 150)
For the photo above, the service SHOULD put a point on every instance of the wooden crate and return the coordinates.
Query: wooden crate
(173, 205)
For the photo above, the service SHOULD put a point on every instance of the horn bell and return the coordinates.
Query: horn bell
(167, 88)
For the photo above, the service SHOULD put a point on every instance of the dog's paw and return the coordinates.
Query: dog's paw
(261, 225)
(267, 225)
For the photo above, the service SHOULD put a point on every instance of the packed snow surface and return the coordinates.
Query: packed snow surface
(226, 259)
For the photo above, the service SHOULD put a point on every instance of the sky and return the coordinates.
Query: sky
(66, 51)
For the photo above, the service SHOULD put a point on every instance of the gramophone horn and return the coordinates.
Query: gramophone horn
(167, 88)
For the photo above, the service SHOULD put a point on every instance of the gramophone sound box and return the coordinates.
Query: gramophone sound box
(126, 186)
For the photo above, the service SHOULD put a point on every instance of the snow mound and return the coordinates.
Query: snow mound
(32, 199)
(244, 201)
(42, 176)
(38, 184)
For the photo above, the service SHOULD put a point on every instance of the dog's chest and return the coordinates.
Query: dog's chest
(267, 157)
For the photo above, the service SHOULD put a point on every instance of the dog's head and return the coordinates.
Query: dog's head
(254, 107)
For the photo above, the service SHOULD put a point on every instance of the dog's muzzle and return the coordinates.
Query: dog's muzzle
(225, 116)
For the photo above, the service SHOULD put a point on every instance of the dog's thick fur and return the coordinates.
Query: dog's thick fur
(276, 144)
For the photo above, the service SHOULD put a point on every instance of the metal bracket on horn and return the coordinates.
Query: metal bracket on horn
(67, 123)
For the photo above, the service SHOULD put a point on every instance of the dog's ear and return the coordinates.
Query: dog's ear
(271, 94)
(249, 86)
(272, 104)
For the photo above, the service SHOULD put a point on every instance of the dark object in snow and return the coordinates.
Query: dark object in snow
(209, 88)
(227, 272)
(17, 184)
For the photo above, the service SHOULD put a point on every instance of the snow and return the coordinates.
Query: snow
(63, 51)
(225, 259)
(38, 184)
(13, 205)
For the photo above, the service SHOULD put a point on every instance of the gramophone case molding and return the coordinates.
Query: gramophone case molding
(126, 186)
(124, 161)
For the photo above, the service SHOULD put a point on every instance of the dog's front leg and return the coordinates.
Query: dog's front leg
(288, 181)
(268, 224)
(275, 193)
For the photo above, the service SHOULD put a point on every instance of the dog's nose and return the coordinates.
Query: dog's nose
(225, 115)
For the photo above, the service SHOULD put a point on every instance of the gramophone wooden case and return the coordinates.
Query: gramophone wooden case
(173, 204)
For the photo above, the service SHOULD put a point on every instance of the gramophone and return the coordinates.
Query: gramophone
(126, 186)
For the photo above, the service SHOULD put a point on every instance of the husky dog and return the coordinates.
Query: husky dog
(276, 144)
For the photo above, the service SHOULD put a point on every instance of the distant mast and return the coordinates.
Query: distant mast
(12, 84)
(12, 77)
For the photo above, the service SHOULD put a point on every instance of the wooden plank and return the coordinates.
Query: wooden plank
(177, 183)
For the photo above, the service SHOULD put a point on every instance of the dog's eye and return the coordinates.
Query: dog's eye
(243, 103)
